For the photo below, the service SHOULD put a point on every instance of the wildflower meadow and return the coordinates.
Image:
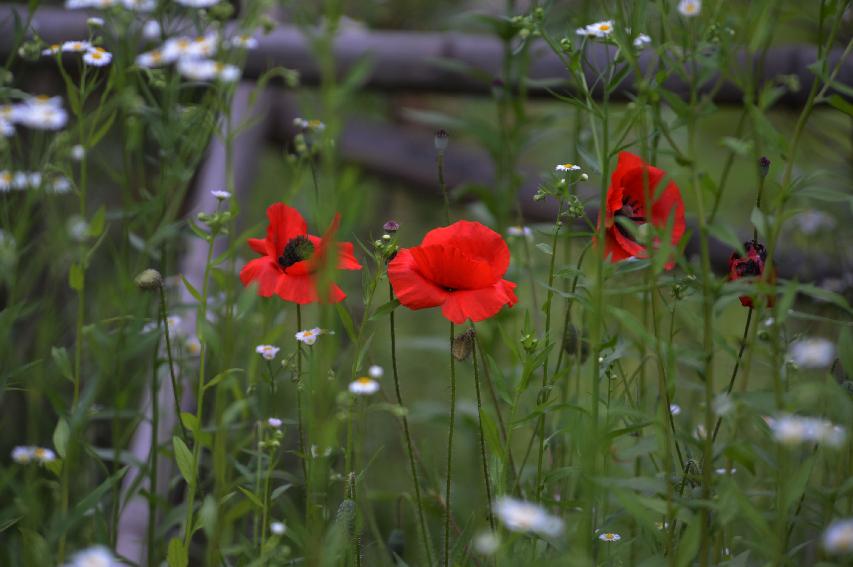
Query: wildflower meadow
(426, 283)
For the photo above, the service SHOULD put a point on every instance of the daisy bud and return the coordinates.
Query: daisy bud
(95, 22)
(566, 44)
(763, 166)
(441, 139)
(397, 542)
(149, 279)
(584, 177)
(386, 237)
(463, 345)
(391, 226)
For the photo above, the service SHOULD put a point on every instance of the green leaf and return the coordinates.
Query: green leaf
(189, 421)
(60, 358)
(845, 350)
(176, 556)
(252, 497)
(98, 222)
(386, 309)
(193, 291)
(346, 320)
(75, 277)
(92, 500)
(688, 545)
(838, 102)
(220, 377)
(184, 459)
(60, 436)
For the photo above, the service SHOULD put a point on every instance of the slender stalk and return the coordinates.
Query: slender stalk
(152, 462)
(439, 160)
(449, 449)
(164, 316)
(731, 385)
(409, 451)
(486, 478)
(299, 415)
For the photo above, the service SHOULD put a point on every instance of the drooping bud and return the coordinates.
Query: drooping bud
(149, 279)
(396, 543)
(441, 140)
(575, 344)
(763, 166)
(463, 345)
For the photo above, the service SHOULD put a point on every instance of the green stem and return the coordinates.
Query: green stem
(299, 415)
(449, 449)
(441, 183)
(164, 316)
(409, 451)
(486, 478)
(152, 461)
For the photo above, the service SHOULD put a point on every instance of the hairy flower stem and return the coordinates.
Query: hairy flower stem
(543, 394)
(743, 343)
(449, 449)
(439, 160)
(486, 479)
(164, 317)
(299, 416)
(409, 451)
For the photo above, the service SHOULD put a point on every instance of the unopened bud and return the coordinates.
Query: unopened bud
(149, 279)
(574, 344)
(441, 139)
(763, 166)
(391, 226)
(397, 543)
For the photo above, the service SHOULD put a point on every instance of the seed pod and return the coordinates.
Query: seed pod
(463, 345)
(396, 543)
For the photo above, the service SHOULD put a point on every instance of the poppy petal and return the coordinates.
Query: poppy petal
(285, 224)
(346, 257)
(259, 245)
(265, 272)
(451, 268)
(410, 287)
(478, 304)
(299, 289)
(475, 240)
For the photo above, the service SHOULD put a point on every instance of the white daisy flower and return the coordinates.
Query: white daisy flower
(278, 528)
(151, 59)
(207, 70)
(43, 455)
(76, 46)
(269, 352)
(197, 3)
(243, 41)
(42, 113)
(78, 4)
(7, 130)
(364, 386)
(521, 516)
(192, 346)
(60, 184)
(221, 195)
(309, 336)
(642, 41)
(565, 167)
(838, 537)
(95, 22)
(140, 5)
(524, 231)
(6, 178)
(97, 556)
(78, 152)
(309, 125)
(812, 352)
(598, 30)
(376, 372)
(609, 537)
(23, 455)
(487, 543)
(52, 49)
(794, 429)
(723, 404)
(274, 422)
(674, 409)
(689, 8)
(151, 30)
(316, 452)
(78, 228)
(97, 57)
(725, 471)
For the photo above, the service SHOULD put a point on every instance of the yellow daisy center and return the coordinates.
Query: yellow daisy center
(365, 381)
(604, 27)
(39, 453)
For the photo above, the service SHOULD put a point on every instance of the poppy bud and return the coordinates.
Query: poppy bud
(149, 279)
(575, 344)
(441, 139)
(391, 226)
(396, 543)
(763, 166)
(463, 345)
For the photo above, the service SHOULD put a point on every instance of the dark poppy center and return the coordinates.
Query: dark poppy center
(631, 210)
(296, 250)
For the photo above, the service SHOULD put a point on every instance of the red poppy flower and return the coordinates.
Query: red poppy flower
(290, 258)
(458, 267)
(750, 266)
(627, 198)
